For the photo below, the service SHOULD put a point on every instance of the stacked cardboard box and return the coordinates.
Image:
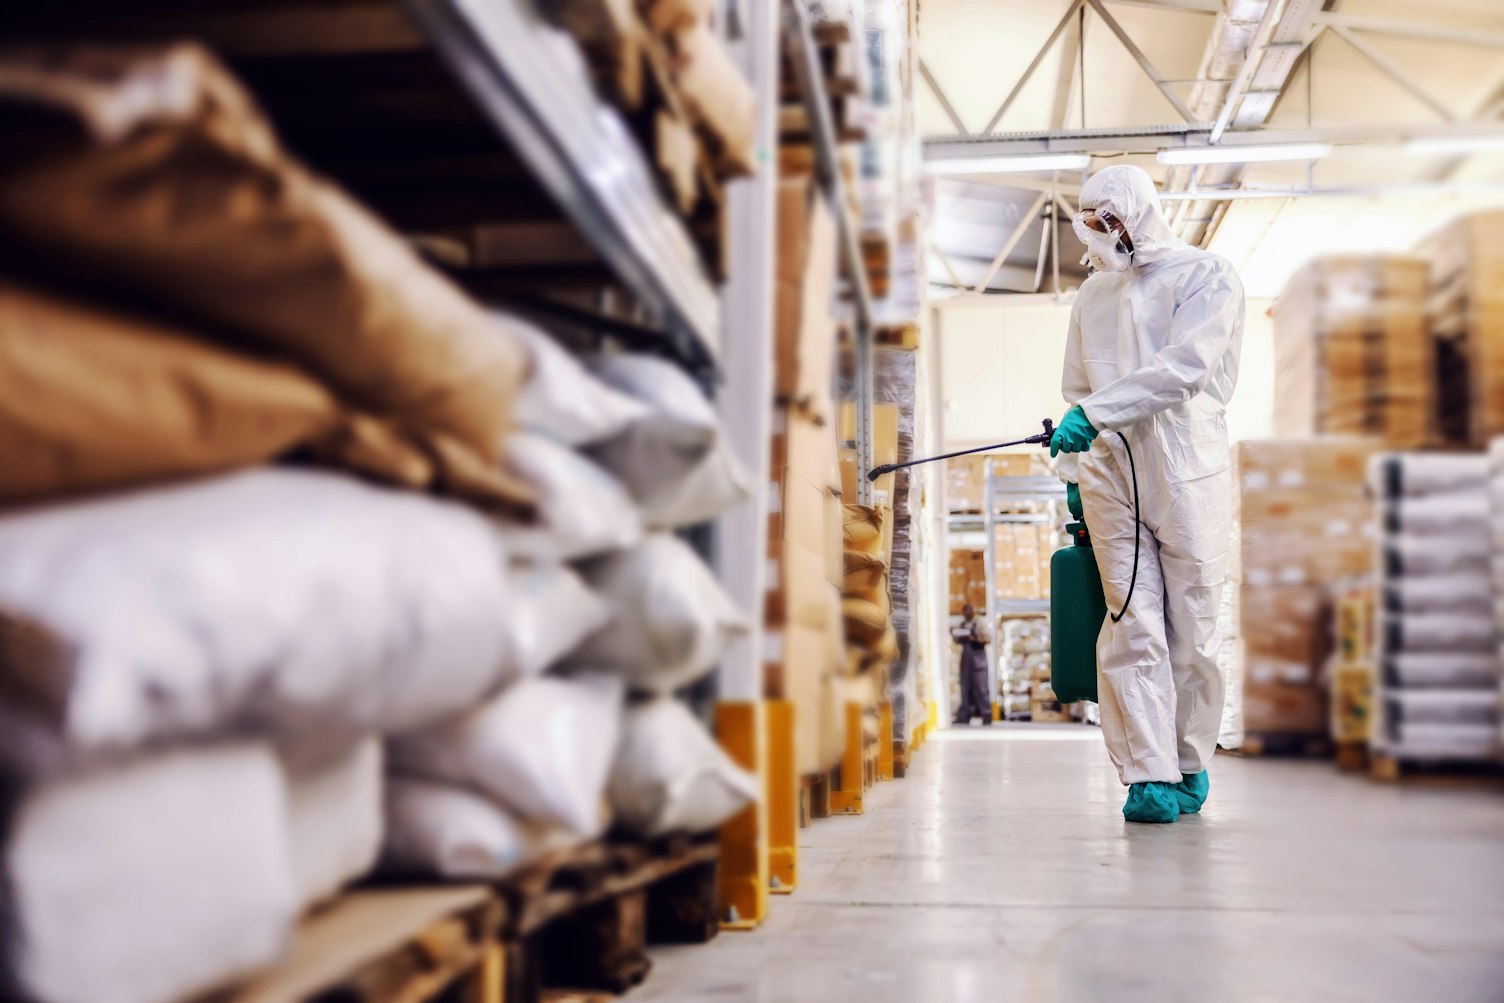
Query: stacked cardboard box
(968, 580)
(1022, 552)
(805, 650)
(1303, 522)
(1466, 309)
(1353, 351)
(1353, 661)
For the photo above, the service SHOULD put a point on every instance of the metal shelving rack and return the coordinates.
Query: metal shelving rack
(530, 79)
(996, 490)
(800, 44)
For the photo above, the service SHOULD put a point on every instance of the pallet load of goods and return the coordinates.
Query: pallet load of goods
(312, 568)
(1437, 691)
(1302, 522)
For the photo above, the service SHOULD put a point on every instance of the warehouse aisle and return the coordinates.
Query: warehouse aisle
(1000, 869)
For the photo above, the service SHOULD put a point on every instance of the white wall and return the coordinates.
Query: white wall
(1001, 371)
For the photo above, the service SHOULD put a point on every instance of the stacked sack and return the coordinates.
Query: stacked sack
(871, 640)
(1025, 664)
(612, 606)
(1438, 692)
(202, 656)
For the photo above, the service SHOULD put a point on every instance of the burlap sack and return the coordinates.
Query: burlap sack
(158, 176)
(93, 399)
(862, 529)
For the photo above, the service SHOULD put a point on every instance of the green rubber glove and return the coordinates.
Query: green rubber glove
(1073, 499)
(1074, 433)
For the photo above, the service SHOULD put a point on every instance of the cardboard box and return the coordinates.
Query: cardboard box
(1277, 709)
(797, 668)
(805, 445)
(796, 588)
(677, 155)
(804, 328)
(1048, 712)
(720, 100)
(1353, 350)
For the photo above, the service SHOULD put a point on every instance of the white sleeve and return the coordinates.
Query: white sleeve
(1200, 330)
(1073, 387)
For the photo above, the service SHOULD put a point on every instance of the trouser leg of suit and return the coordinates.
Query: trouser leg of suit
(981, 698)
(1194, 566)
(1135, 684)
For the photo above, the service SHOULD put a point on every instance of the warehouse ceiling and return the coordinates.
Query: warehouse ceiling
(1372, 77)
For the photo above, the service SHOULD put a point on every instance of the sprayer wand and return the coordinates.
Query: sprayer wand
(1042, 439)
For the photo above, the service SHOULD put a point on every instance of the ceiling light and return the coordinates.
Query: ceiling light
(1243, 154)
(1008, 165)
(1455, 144)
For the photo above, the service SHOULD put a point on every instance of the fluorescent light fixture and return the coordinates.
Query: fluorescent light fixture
(1243, 154)
(1008, 165)
(1455, 144)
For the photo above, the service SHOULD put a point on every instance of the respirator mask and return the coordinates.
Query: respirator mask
(1109, 248)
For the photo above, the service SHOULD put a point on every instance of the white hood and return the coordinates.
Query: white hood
(1128, 193)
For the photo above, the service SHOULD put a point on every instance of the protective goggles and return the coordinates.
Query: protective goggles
(1103, 222)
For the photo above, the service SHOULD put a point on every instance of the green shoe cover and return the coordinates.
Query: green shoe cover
(1191, 792)
(1152, 802)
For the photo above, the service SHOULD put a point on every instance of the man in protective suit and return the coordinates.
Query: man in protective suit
(1151, 360)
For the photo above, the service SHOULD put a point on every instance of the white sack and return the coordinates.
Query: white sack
(281, 600)
(438, 830)
(1462, 670)
(672, 620)
(561, 399)
(1409, 554)
(1393, 475)
(156, 880)
(1439, 632)
(1444, 706)
(334, 817)
(1467, 591)
(1454, 514)
(675, 461)
(1440, 741)
(582, 510)
(671, 776)
(552, 614)
(542, 749)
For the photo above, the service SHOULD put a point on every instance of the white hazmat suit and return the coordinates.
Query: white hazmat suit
(1152, 352)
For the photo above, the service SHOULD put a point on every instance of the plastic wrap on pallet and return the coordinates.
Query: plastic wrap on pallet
(894, 376)
(1449, 631)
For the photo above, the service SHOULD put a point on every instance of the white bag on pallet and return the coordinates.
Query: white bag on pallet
(553, 613)
(671, 776)
(672, 620)
(1467, 591)
(155, 880)
(1449, 631)
(1413, 474)
(674, 460)
(334, 816)
(582, 510)
(542, 749)
(1463, 670)
(275, 600)
(435, 829)
(561, 399)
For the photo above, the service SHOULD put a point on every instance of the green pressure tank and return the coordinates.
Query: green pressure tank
(1077, 609)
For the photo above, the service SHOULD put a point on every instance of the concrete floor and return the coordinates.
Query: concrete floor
(1001, 869)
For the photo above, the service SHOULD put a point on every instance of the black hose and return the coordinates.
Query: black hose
(1137, 530)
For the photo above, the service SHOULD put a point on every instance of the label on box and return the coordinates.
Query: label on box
(1292, 574)
(1339, 527)
(775, 498)
(771, 581)
(1261, 672)
(1256, 480)
(1257, 576)
(1291, 477)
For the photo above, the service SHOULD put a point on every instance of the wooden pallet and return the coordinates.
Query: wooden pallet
(391, 945)
(581, 920)
(814, 798)
(1389, 769)
(1352, 757)
(1300, 746)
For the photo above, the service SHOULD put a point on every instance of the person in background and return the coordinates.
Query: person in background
(1151, 360)
(973, 636)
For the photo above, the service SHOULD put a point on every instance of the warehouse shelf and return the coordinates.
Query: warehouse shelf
(530, 79)
(800, 44)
